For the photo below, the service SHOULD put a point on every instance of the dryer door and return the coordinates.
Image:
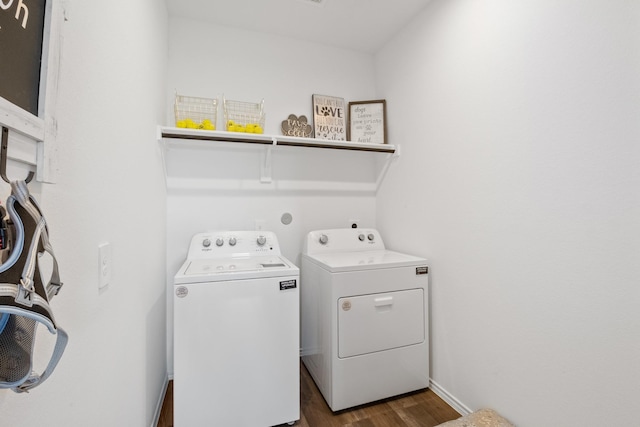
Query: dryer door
(378, 322)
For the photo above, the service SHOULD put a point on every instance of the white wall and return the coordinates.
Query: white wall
(110, 188)
(211, 61)
(519, 181)
(219, 188)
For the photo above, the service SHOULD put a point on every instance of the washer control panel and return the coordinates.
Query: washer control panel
(343, 240)
(215, 244)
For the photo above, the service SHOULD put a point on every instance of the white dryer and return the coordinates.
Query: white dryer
(364, 317)
(236, 333)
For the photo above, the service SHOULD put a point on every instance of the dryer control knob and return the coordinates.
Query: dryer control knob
(219, 241)
(361, 237)
(370, 237)
(206, 243)
(261, 240)
(324, 239)
(232, 241)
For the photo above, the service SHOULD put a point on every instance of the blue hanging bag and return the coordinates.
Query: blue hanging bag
(24, 297)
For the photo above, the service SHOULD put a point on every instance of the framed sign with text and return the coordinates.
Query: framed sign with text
(22, 28)
(329, 118)
(367, 122)
(30, 46)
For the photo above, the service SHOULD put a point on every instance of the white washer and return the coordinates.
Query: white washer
(364, 317)
(236, 333)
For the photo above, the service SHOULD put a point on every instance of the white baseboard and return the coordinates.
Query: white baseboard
(460, 407)
(163, 393)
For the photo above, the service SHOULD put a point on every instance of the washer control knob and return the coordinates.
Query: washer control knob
(206, 243)
(232, 241)
(324, 239)
(261, 240)
(219, 241)
(361, 237)
(370, 237)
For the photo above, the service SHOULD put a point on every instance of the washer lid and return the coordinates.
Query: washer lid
(366, 260)
(236, 268)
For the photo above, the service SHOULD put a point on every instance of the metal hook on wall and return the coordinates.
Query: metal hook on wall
(4, 148)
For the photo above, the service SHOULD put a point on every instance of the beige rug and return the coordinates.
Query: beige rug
(481, 418)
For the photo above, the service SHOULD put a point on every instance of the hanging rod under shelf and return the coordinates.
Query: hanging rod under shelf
(219, 136)
(203, 135)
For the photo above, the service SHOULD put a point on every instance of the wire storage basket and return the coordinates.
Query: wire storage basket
(196, 113)
(243, 116)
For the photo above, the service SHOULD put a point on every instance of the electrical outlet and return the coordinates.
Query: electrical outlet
(104, 264)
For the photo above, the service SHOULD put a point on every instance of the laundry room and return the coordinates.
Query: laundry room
(511, 167)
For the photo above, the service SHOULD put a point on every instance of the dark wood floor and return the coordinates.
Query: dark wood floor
(419, 409)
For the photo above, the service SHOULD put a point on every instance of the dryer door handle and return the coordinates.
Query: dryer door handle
(382, 301)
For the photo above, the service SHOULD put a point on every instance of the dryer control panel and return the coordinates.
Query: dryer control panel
(343, 240)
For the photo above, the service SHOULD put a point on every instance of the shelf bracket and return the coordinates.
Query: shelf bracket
(265, 164)
(385, 167)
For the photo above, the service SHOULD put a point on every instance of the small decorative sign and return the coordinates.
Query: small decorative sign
(329, 118)
(297, 126)
(367, 121)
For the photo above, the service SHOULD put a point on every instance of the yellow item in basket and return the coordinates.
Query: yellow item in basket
(207, 125)
(191, 124)
(181, 124)
(248, 128)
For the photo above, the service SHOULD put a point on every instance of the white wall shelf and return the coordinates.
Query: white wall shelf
(249, 138)
(177, 138)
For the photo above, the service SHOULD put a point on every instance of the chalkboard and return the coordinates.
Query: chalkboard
(21, 32)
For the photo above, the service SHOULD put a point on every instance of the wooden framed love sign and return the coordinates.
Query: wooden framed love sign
(329, 118)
